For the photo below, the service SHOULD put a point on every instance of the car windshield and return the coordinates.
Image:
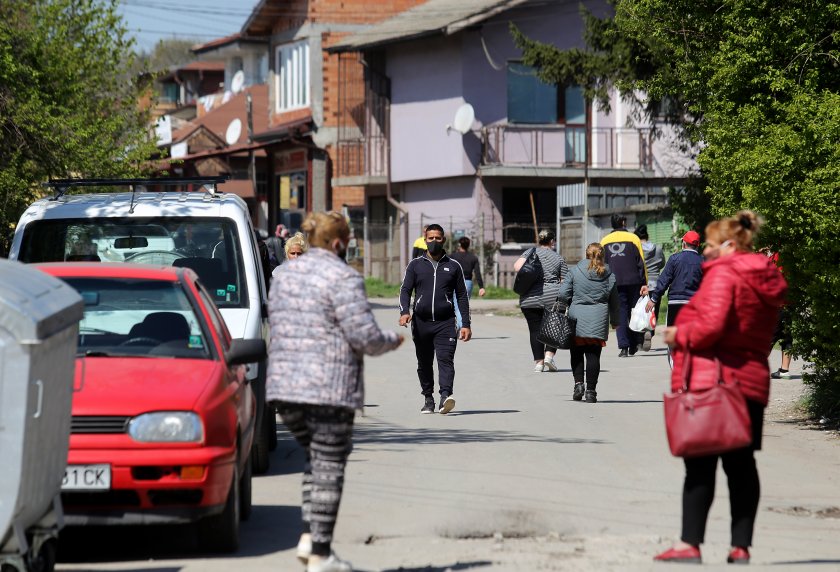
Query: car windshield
(136, 317)
(210, 246)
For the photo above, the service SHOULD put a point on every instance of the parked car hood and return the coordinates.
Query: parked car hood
(130, 386)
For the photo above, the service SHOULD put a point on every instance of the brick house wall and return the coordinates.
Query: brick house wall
(284, 19)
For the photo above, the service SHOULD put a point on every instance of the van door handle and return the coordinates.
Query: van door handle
(38, 404)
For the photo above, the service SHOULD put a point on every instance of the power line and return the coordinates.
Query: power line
(139, 12)
(276, 12)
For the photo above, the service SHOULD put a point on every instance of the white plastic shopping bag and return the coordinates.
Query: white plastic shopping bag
(641, 320)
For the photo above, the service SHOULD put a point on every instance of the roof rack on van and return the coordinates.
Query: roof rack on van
(61, 186)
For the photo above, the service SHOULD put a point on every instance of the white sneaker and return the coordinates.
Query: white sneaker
(331, 564)
(304, 548)
(447, 405)
(538, 368)
(550, 365)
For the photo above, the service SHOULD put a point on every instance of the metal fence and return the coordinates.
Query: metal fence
(561, 146)
(375, 248)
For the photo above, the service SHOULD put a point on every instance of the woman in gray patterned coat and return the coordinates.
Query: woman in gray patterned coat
(541, 296)
(321, 327)
(589, 290)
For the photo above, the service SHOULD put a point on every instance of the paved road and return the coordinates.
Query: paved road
(518, 477)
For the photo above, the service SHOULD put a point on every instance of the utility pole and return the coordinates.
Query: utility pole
(482, 264)
(585, 222)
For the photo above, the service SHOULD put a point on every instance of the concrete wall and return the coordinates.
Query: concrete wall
(431, 78)
(426, 91)
(440, 201)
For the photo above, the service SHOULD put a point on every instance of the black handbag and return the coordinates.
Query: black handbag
(557, 329)
(528, 275)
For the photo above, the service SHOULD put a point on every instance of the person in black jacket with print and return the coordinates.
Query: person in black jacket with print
(435, 280)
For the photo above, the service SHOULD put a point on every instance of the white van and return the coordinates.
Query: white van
(206, 231)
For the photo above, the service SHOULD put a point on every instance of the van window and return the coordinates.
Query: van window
(209, 246)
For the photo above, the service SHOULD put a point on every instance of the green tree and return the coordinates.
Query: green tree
(764, 78)
(166, 53)
(68, 103)
(758, 81)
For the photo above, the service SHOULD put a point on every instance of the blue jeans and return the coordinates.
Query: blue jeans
(455, 301)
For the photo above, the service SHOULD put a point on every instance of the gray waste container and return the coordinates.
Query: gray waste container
(39, 328)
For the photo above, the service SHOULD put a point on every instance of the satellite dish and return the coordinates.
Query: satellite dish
(237, 82)
(234, 130)
(207, 101)
(464, 117)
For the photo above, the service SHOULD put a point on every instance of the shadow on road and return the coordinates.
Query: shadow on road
(629, 401)
(375, 432)
(804, 562)
(453, 567)
(270, 529)
(482, 412)
(287, 459)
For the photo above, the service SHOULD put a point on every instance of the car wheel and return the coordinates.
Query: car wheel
(44, 561)
(220, 532)
(245, 492)
(260, 448)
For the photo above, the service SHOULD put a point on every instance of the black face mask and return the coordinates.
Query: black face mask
(341, 252)
(434, 247)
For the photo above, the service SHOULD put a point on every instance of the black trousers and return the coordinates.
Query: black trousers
(673, 310)
(435, 339)
(627, 298)
(534, 318)
(744, 488)
(591, 356)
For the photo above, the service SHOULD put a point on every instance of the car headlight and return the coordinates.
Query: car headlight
(167, 427)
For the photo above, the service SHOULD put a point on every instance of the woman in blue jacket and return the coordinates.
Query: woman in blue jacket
(590, 292)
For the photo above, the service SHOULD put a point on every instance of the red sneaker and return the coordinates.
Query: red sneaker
(738, 555)
(684, 555)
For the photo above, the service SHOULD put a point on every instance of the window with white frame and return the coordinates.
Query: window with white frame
(292, 76)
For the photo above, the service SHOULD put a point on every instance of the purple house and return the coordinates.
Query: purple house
(452, 128)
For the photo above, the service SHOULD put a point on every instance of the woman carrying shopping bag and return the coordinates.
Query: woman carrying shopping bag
(723, 335)
(541, 295)
(589, 291)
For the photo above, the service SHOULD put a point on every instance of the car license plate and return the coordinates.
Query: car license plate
(87, 478)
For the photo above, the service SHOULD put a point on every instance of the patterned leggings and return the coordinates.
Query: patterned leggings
(326, 435)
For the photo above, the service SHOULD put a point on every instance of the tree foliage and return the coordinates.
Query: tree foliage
(758, 81)
(166, 53)
(68, 104)
(764, 76)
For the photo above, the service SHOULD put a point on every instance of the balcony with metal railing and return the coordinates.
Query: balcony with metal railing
(517, 149)
(363, 157)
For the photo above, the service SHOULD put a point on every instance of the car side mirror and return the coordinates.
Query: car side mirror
(245, 351)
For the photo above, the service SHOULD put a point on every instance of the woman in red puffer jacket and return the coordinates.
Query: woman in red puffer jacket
(730, 320)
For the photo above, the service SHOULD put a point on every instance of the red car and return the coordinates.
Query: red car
(163, 414)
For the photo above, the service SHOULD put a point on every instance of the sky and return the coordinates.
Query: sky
(201, 20)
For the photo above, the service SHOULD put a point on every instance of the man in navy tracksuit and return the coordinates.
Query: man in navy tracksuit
(681, 277)
(435, 279)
